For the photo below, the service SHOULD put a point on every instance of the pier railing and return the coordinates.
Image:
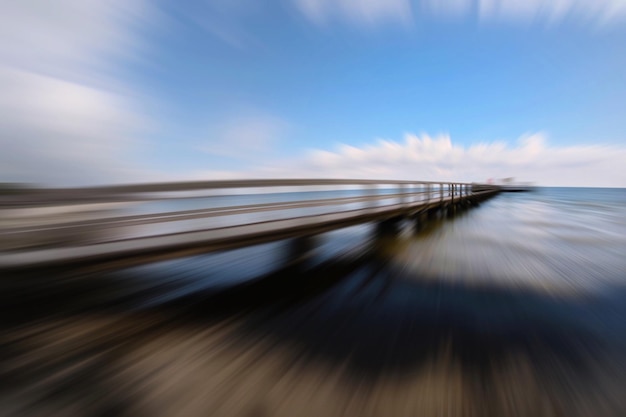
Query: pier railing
(61, 226)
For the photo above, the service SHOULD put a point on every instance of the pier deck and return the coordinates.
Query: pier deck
(47, 228)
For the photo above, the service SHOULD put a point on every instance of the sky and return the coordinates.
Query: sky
(126, 91)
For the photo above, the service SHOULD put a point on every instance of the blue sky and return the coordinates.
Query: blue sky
(466, 90)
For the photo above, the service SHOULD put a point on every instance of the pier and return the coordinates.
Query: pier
(117, 226)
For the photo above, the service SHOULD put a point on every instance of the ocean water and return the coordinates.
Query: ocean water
(513, 308)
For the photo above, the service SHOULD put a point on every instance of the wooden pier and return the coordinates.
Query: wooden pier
(46, 228)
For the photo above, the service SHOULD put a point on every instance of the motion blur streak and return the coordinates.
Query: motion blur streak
(67, 115)
(517, 308)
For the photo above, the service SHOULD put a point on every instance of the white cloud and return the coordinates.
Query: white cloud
(363, 12)
(245, 135)
(439, 159)
(56, 131)
(225, 19)
(426, 158)
(452, 8)
(64, 119)
(404, 11)
(601, 11)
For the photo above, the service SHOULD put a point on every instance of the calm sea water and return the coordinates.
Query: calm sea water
(513, 308)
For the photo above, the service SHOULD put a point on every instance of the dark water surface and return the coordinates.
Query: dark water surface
(514, 308)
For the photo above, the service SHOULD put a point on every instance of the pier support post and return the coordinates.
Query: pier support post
(300, 249)
(388, 227)
(451, 210)
(419, 221)
(433, 213)
(423, 218)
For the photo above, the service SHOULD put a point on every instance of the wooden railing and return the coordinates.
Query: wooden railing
(41, 226)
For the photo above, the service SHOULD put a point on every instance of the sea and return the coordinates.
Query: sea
(514, 307)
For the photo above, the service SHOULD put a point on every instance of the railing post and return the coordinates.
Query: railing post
(371, 188)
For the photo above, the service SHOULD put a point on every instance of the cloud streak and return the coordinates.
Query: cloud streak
(64, 117)
(247, 135)
(439, 159)
(426, 158)
(363, 12)
(403, 11)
